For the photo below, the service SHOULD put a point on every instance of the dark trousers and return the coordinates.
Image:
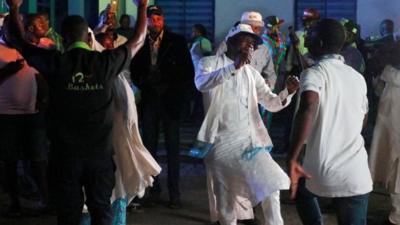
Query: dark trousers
(23, 136)
(72, 177)
(154, 114)
(349, 210)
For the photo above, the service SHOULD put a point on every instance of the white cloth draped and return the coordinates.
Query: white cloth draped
(135, 165)
(385, 146)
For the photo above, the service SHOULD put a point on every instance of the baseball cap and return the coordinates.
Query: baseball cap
(311, 14)
(252, 18)
(349, 25)
(154, 9)
(272, 21)
(243, 28)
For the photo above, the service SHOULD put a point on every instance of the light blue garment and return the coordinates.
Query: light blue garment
(119, 210)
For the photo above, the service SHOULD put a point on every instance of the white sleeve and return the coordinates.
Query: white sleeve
(311, 80)
(207, 77)
(271, 101)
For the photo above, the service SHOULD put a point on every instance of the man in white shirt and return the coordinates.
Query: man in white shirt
(332, 111)
(239, 167)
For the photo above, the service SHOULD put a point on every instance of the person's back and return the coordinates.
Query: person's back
(328, 124)
(337, 153)
(84, 118)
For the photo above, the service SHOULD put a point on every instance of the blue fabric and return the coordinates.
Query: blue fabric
(119, 210)
(251, 152)
(350, 210)
(200, 149)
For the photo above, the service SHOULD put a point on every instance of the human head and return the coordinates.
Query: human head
(155, 19)
(351, 29)
(254, 19)
(198, 30)
(105, 40)
(310, 17)
(45, 20)
(327, 36)
(35, 27)
(125, 21)
(74, 28)
(386, 27)
(241, 39)
(273, 23)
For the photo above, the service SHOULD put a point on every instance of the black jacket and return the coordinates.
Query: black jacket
(173, 76)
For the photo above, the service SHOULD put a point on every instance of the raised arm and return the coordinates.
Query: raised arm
(16, 25)
(207, 77)
(137, 40)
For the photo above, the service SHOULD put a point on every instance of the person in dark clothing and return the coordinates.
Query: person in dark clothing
(162, 70)
(80, 111)
(124, 29)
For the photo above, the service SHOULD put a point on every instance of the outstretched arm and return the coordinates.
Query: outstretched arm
(137, 41)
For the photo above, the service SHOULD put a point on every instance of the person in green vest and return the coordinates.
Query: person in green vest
(310, 17)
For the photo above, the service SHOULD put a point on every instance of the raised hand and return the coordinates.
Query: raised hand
(242, 59)
(292, 84)
(14, 3)
(140, 2)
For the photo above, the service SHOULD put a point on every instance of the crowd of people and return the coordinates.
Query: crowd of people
(71, 106)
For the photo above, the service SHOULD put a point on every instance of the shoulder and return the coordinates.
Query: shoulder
(210, 59)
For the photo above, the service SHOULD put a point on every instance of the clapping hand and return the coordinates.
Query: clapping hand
(292, 84)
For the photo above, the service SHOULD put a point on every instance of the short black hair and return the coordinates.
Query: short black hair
(389, 25)
(74, 27)
(331, 34)
(124, 16)
(200, 28)
(30, 18)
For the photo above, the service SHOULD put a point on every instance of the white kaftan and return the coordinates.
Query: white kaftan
(239, 167)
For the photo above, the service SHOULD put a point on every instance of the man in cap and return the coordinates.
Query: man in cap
(260, 59)
(163, 71)
(309, 18)
(237, 141)
(351, 54)
(274, 40)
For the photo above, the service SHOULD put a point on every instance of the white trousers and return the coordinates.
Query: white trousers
(394, 216)
(228, 209)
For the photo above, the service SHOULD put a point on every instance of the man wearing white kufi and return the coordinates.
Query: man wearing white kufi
(233, 135)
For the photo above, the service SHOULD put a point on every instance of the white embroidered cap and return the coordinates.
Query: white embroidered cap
(245, 28)
(252, 18)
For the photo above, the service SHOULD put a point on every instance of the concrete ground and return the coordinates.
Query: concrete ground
(194, 195)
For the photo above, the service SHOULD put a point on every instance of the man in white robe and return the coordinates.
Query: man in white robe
(238, 158)
(384, 152)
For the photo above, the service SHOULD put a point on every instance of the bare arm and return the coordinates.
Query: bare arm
(302, 127)
(137, 41)
(16, 26)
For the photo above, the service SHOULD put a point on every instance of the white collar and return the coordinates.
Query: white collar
(332, 56)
